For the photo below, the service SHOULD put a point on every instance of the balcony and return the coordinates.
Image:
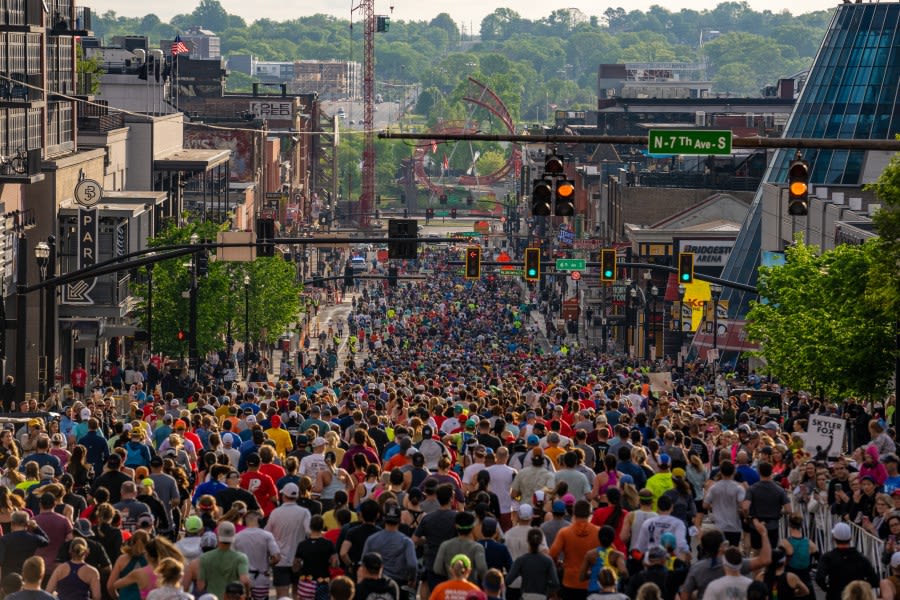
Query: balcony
(23, 167)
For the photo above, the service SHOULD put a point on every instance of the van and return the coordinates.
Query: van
(358, 263)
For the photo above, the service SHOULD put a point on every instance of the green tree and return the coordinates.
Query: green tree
(490, 162)
(817, 326)
(885, 276)
(219, 295)
(90, 71)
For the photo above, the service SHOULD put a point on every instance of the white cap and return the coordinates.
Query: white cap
(318, 442)
(842, 533)
(174, 402)
(526, 512)
(126, 427)
(85, 414)
(250, 419)
(290, 490)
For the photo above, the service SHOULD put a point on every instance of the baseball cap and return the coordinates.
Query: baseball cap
(253, 459)
(664, 459)
(842, 533)
(656, 553)
(83, 527)
(533, 440)
(678, 472)
(526, 512)
(47, 472)
(193, 524)
(318, 442)
(392, 513)
(558, 507)
(290, 490)
(145, 520)
(568, 499)
(225, 532)
(208, 541)
(147, 482)
(85, 414)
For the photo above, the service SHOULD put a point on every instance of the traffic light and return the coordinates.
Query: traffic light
(553, 165)
(403, 228)
(532, 264)
(202, 263)
(348, 276)
(452, 213)
(473, 262)
(541, 198)
(442, 198)
(392, 276)
(607, 264)
(686, 267)
(565, 198)
(265, 232)
(181, 335)
(798, 187)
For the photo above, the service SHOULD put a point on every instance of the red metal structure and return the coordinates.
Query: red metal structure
(480, 95)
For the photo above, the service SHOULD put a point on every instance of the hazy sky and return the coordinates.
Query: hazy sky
(463, 11)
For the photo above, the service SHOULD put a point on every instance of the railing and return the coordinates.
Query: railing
(817, 527)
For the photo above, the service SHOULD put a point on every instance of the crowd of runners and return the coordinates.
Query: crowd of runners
(448, 457)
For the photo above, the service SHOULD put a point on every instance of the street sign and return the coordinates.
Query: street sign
(570, 264)
(512, 271)
(469, 234)
(688, 141)
(576, 275)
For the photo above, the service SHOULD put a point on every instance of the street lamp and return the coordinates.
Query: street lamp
(634, 330)
(246, 322)
(603, 343)
(42, 254)
(627, 320)
(193, 354)
(715, 291)
(651, 311)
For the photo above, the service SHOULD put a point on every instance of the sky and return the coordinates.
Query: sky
(464, 12)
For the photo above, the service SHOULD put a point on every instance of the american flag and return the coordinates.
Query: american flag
(179, 47)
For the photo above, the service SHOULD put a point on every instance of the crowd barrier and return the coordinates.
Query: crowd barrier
(817, 527)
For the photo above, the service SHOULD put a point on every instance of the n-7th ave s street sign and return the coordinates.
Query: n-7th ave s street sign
(570, 264)
(688, 141)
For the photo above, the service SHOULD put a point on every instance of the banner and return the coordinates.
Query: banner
(661, 382)
(824, 436)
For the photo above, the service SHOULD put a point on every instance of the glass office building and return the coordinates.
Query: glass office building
(852, 92)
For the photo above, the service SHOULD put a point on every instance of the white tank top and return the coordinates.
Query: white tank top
(639, 517)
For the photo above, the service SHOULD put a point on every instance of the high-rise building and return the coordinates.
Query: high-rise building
(851, 93)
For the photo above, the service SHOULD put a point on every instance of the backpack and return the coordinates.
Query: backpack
(134, 456)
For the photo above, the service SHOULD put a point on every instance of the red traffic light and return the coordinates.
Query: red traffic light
(473, 263)
(181, 335)
(553, 165)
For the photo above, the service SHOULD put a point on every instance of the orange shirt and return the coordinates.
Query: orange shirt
(574, 541)
(554, 454)
(398, 460)
(455, 590)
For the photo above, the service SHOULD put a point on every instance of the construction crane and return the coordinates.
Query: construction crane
(366, 200)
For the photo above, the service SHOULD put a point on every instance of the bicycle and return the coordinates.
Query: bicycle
(14, 164)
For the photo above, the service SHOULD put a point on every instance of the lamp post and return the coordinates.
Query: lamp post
(715, 291)
(150, 306)
(193, 355)
(627, 319)
(42, 254)
(603, 343)
(651, 302)
(681, 291)
(634, 311)
(647, 283)
(246, 322)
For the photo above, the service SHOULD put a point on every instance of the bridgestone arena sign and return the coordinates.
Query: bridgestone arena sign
(708, 253)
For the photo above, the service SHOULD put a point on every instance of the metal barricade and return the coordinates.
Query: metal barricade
(817, 527)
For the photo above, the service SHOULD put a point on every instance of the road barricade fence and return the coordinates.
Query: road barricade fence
(817, 527)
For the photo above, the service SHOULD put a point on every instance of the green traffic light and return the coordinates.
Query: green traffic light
(607, 273)
(532, 272)
(685, 277)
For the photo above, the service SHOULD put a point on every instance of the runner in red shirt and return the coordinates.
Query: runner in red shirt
(260, 485)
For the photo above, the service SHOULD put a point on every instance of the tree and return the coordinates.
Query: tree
(90, 71)
(219, 295)
(818, 328)
(885, 276)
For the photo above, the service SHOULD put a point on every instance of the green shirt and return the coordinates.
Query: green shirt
(220, 567)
